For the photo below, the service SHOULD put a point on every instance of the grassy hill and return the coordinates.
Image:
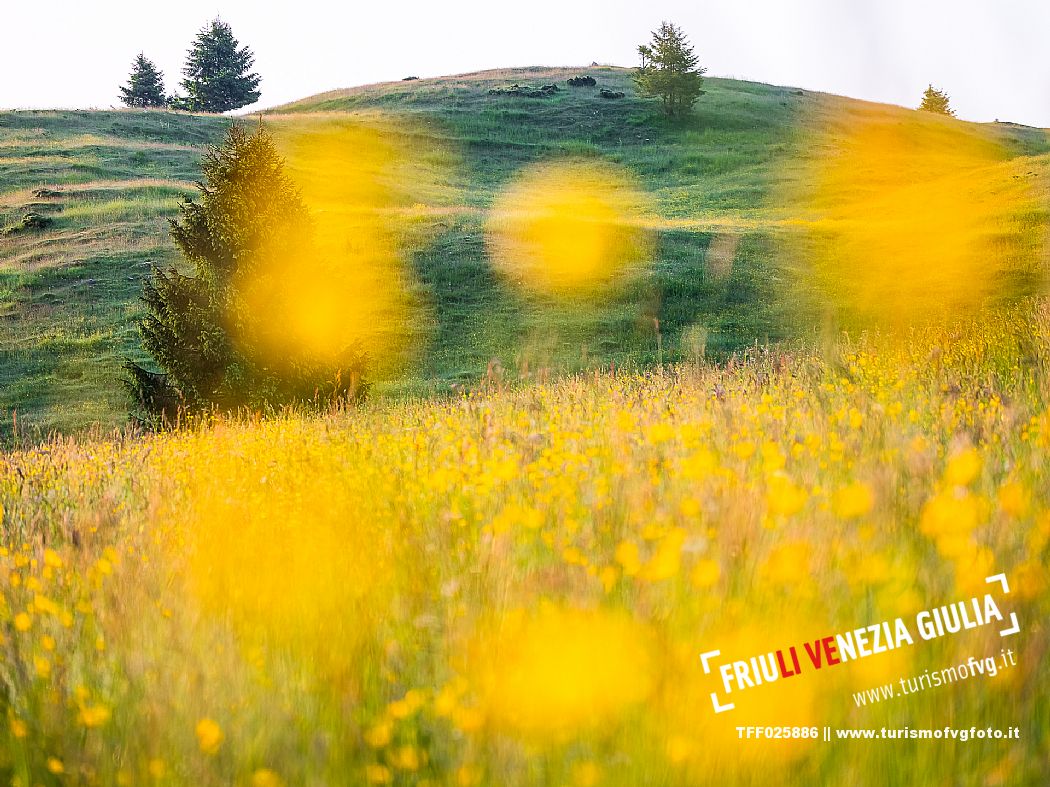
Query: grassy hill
(110, 180)
(68, 294)
(513, 587)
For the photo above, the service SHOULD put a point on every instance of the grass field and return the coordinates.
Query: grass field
(720, 182)
(513, 588)
(68, 294)
(818, 400)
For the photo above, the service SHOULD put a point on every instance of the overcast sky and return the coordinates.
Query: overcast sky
(989, 55)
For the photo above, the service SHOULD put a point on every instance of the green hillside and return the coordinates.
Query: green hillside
(110, 180)
(68, 294)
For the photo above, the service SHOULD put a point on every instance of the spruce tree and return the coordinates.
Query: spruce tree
(669, 70)
(145, 86)
(934, 100)
(196, 326)
(217, 73)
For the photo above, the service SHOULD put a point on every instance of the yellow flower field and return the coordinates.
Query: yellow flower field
(515, 586)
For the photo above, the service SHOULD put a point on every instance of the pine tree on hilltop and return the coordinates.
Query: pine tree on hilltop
(934, 100)
(217, 72)
(669, 70)
(198, 328)
(145, 86)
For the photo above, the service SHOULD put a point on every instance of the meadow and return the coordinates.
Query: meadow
(808, 392)
(514, 586)
(718, 183)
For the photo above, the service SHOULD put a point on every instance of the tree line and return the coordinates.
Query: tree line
(217, 76)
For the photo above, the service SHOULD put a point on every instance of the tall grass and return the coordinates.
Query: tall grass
(514, 586)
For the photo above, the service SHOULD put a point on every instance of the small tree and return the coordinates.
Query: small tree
(145, 86)
(934, 100)
(669, 70)
(217, 72)
(197, 328)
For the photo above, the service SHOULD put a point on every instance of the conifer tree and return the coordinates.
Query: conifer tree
(145, 86)
(196, 327)
(669, 70)
(934, 100)
(217, 73)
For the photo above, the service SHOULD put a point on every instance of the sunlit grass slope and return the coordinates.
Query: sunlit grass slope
(68, 293)
(722, 188)
(514, 587)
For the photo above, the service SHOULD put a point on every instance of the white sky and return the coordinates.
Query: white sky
(989, 55)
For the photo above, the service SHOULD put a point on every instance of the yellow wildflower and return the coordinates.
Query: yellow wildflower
(378, 774)
(264, 777)
(783, 497)
(209, 736)
(705, 573)
(379, 735)
(93, 715)
(963, 468)
(853, 501)
(667, 558)
(406, 758)
(586, 774)
(1014, 499)
(627, 556)
(42, 667)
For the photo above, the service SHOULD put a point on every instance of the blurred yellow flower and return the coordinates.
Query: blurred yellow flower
(705, 573)
(950, 513)
(679, 749)
(660, 432)
(406, 758)
(788, 564)
(44, 605)
(379, 735)
(1014, 499)
(264, 777)
(555, 672)
(209, 736)
(783, 497)
(468, 719)
(699, 465)
(853, 501)
(667, 558)
(586, 774)
(18, 728)
(972, 566)
(378, 774)
(42, 667)
(93, 715)
(628, 557)
(468, 776)
(568, 227)
(1031, 579)
(963, 467)
(773, 458)
(744, 449)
